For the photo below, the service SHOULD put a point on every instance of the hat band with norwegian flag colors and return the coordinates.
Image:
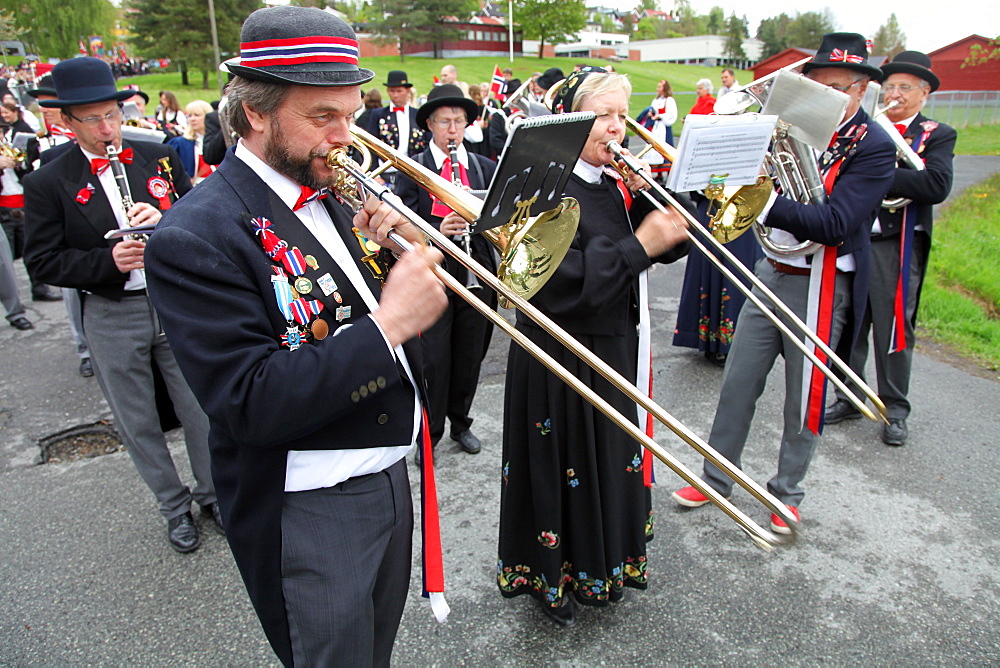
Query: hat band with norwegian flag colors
(301, 46)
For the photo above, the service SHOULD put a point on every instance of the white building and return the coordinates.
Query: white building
(709, 50)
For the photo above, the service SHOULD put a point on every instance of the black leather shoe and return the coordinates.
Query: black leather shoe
(468, 441)
(564, 614)
(718, 359)
(86, 368)
(21, 323)
(212, 510)
(895, 432)
(46, 297)
(839, 411)
(182, 534)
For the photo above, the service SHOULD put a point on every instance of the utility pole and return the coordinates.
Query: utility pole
(215, 43)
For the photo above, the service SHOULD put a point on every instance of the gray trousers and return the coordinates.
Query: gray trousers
(893, 371)
(9, 296)
(345, 568)
(74, 309)
(756, 345)
(123, 337)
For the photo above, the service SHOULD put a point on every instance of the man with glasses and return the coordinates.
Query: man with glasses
(901, 242)
(827, 290)
(71, 203)
(455, 346)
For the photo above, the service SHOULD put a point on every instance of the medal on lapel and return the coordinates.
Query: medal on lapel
(372, 258)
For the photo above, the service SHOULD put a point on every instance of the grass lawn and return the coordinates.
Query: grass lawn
(960, 302)
(978, 140)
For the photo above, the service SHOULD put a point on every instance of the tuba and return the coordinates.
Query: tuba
(904, 153)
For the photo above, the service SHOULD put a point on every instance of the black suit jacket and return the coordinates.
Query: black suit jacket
(846, 219)
(928, 187)
(210, 281)
(64, 238)
(213, 146)
(382, 124)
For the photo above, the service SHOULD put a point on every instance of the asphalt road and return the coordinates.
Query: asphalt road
(896, 562)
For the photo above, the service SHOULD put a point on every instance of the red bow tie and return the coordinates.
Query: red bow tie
(308, 195)
(98, 165)
(399, 109)
(900, 128)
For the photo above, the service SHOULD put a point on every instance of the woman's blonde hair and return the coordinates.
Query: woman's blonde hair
(196, 107)
(599, 83)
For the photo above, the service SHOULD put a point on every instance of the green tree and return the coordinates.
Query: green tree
(688, 21)
(889, 39)
(180, 30)
(715, 21)
(655, 27)
(773, 32)
(54, 28)
(736, 32)
(550, 22)
(806, 30)
(979, 54)
(412, 22)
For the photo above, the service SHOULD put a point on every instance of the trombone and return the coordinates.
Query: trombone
(670, 153)
(470, 208)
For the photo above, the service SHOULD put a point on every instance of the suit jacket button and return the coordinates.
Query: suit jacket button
(383, 418)
(372, 386)
(380, 381)
(355, 397)
(363, 391)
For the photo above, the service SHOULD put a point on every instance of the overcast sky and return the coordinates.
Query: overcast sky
(927, 25)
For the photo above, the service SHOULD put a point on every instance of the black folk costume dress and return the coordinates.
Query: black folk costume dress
(575, 512)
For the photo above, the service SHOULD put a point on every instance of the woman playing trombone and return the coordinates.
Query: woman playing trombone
(575, 510)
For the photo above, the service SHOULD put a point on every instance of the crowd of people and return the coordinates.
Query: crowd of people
(306, 352)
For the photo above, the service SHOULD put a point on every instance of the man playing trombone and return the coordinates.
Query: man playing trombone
(901, 242)
(302, 360)
(830, 296)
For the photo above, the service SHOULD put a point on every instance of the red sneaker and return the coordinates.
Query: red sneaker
(778, 525)
(690, 497)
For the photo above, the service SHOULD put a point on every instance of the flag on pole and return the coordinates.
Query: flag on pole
(83, 48)
(437, 82)
(498, 87)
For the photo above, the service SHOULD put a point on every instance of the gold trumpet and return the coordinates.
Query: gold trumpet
(470, 207)
(15, 154)
(669, 153)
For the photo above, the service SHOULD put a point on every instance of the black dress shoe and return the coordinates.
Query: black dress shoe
(182, 534)
(21, 323)
(564, 614)
(839, 411)
(46, 297)
(895, 432)
(86, 368)
(468, 441)
(212, 510)
(718, 359)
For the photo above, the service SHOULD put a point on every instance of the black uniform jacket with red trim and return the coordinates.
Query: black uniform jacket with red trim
(210, 281)
(64, 232)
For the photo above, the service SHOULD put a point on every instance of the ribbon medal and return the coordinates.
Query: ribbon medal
(84, 195)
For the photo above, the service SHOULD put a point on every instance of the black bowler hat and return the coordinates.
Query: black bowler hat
(45, 87)
(302, 46)
(843, 49)
(915, 63)
(445, 95)
(80, 81)
(549, 78)
(135, 91)
(397, 78)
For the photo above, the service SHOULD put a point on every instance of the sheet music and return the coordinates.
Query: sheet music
(716, 145)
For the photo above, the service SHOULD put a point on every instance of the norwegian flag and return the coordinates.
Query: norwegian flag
(437, 82)
(869, 45)
(498, 86)
(83, 48)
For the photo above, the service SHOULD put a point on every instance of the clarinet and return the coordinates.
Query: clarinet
(118, 170)
(471, 282)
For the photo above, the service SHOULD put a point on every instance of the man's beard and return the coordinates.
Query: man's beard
(300, 170)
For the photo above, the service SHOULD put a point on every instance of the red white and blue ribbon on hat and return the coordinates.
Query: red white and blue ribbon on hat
(897, 340)
(298, 51)
(839, 55)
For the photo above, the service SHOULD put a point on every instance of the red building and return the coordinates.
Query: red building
(792, 55)
(484, 36)
(947, 62)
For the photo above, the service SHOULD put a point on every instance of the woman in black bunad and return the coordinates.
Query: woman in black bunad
(575, 510)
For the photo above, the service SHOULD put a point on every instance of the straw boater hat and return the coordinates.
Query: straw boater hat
(80, 81)
(843, 49)
(915, 63)
(303, 46)
(445, 95)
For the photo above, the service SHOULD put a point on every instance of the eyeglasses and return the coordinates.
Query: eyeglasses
(902, 88)
(843, 89)
(450, 122)
(111, 117)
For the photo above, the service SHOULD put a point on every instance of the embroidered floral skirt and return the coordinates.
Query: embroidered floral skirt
(575, 514)
(710, 304)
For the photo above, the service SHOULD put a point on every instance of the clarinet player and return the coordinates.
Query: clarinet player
(73, 202)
